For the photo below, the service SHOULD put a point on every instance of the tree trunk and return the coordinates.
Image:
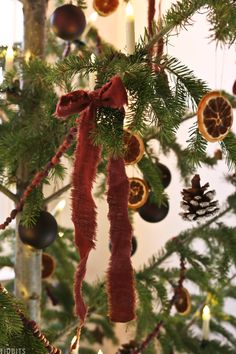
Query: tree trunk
(28, 260)
(34, 26)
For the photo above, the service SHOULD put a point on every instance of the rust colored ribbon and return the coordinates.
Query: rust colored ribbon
(87, 157)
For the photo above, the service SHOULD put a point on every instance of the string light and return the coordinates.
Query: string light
(206, 316)
(93, 17)
(9, 58)
(130, 32)
(129, 10)
(74, 347)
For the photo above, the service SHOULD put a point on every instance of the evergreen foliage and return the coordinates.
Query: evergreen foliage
(159, 103)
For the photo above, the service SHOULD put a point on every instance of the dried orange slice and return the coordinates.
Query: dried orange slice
(48, 265)
(105, 7)
(138, 193)
(183, 301)
(215, 116)
(134, 148)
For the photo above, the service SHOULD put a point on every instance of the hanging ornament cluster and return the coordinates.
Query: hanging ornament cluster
(197, 203)
(215, 116)
(150, 211)
(68, 22)
(140, 196)
(105, 7)
(42, 234)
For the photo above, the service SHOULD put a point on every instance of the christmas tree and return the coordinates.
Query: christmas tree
(136, 100)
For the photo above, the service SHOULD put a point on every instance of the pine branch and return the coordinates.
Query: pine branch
(9, 194)
(57, 194)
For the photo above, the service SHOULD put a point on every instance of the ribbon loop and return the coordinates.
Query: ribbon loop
(87, 158)
(112, 94)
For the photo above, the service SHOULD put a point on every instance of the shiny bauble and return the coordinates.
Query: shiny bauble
(164, 174)
(68, 22)
(151, 212)
(42, 234)
(134, 245)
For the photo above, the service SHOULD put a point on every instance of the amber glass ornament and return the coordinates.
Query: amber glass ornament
(183, 301)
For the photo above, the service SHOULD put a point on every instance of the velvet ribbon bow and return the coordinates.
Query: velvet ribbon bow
(87, 156)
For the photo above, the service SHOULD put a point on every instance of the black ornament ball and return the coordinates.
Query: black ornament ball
(151, 212)
(133, 248)
(68, 22)
(42, 234)
(165, 174)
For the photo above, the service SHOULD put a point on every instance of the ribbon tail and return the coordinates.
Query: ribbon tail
(87, 157)
(121, 291)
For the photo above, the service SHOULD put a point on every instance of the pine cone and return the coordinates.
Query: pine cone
(127, 348)
(197, 203)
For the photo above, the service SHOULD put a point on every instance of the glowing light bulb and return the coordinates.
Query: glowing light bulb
(9, 58)
(61, 205)
(206, 313)
(129, 11)
(74, 347)
(206, 316)
(130, 31)
(93, 17)
(100, 352)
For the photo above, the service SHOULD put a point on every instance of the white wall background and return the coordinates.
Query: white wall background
(215, 65)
